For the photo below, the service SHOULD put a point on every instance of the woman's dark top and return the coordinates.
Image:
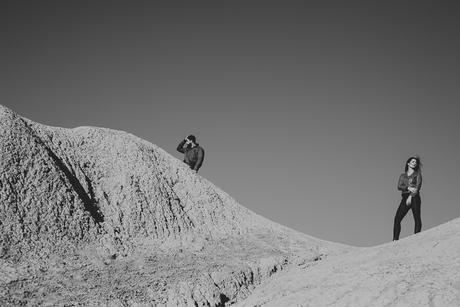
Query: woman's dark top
(414, 180)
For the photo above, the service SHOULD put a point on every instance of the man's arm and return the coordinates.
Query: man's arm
(180, 148)
(199, 160)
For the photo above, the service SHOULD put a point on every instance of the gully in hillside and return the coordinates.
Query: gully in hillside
(409, 184)
(193, 152)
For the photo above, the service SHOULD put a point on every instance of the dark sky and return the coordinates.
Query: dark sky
(307, 111)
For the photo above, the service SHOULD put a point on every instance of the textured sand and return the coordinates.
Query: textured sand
(97, 217)
(94, 216)
(421, 270)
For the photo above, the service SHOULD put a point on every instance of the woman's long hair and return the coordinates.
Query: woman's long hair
(418, 168)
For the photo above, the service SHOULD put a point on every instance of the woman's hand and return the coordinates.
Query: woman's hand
(412, 190)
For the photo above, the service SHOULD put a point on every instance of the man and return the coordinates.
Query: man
(193, 152)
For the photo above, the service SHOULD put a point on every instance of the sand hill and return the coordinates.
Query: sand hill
(97, 217)
(92, 216)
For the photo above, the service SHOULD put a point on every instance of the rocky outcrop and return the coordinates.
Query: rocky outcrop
(116, 220)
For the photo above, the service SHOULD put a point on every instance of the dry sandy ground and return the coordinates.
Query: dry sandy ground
(97, 217)
(421, 270)
(93, 216)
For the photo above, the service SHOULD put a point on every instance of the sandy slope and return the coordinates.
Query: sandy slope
(94, 216)
(421, 270)
(97, 217)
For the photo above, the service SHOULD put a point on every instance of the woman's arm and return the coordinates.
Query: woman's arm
(402, 184)
(419, 183)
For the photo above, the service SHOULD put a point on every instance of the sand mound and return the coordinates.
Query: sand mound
(113, 219)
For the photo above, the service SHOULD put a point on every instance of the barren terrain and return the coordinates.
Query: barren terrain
(93, 216)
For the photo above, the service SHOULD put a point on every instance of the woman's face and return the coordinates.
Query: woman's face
(412, 163)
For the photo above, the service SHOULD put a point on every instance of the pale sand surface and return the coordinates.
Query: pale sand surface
(421, 270)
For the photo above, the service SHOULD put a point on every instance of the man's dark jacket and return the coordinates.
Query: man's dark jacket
(192, 156)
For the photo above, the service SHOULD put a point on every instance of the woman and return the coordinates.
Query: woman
(409, 184)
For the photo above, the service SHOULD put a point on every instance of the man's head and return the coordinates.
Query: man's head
(190, 140)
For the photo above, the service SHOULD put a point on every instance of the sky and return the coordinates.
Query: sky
(307, 110)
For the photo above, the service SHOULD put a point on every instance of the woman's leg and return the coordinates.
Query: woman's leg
(416, 204)
(400, 214)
